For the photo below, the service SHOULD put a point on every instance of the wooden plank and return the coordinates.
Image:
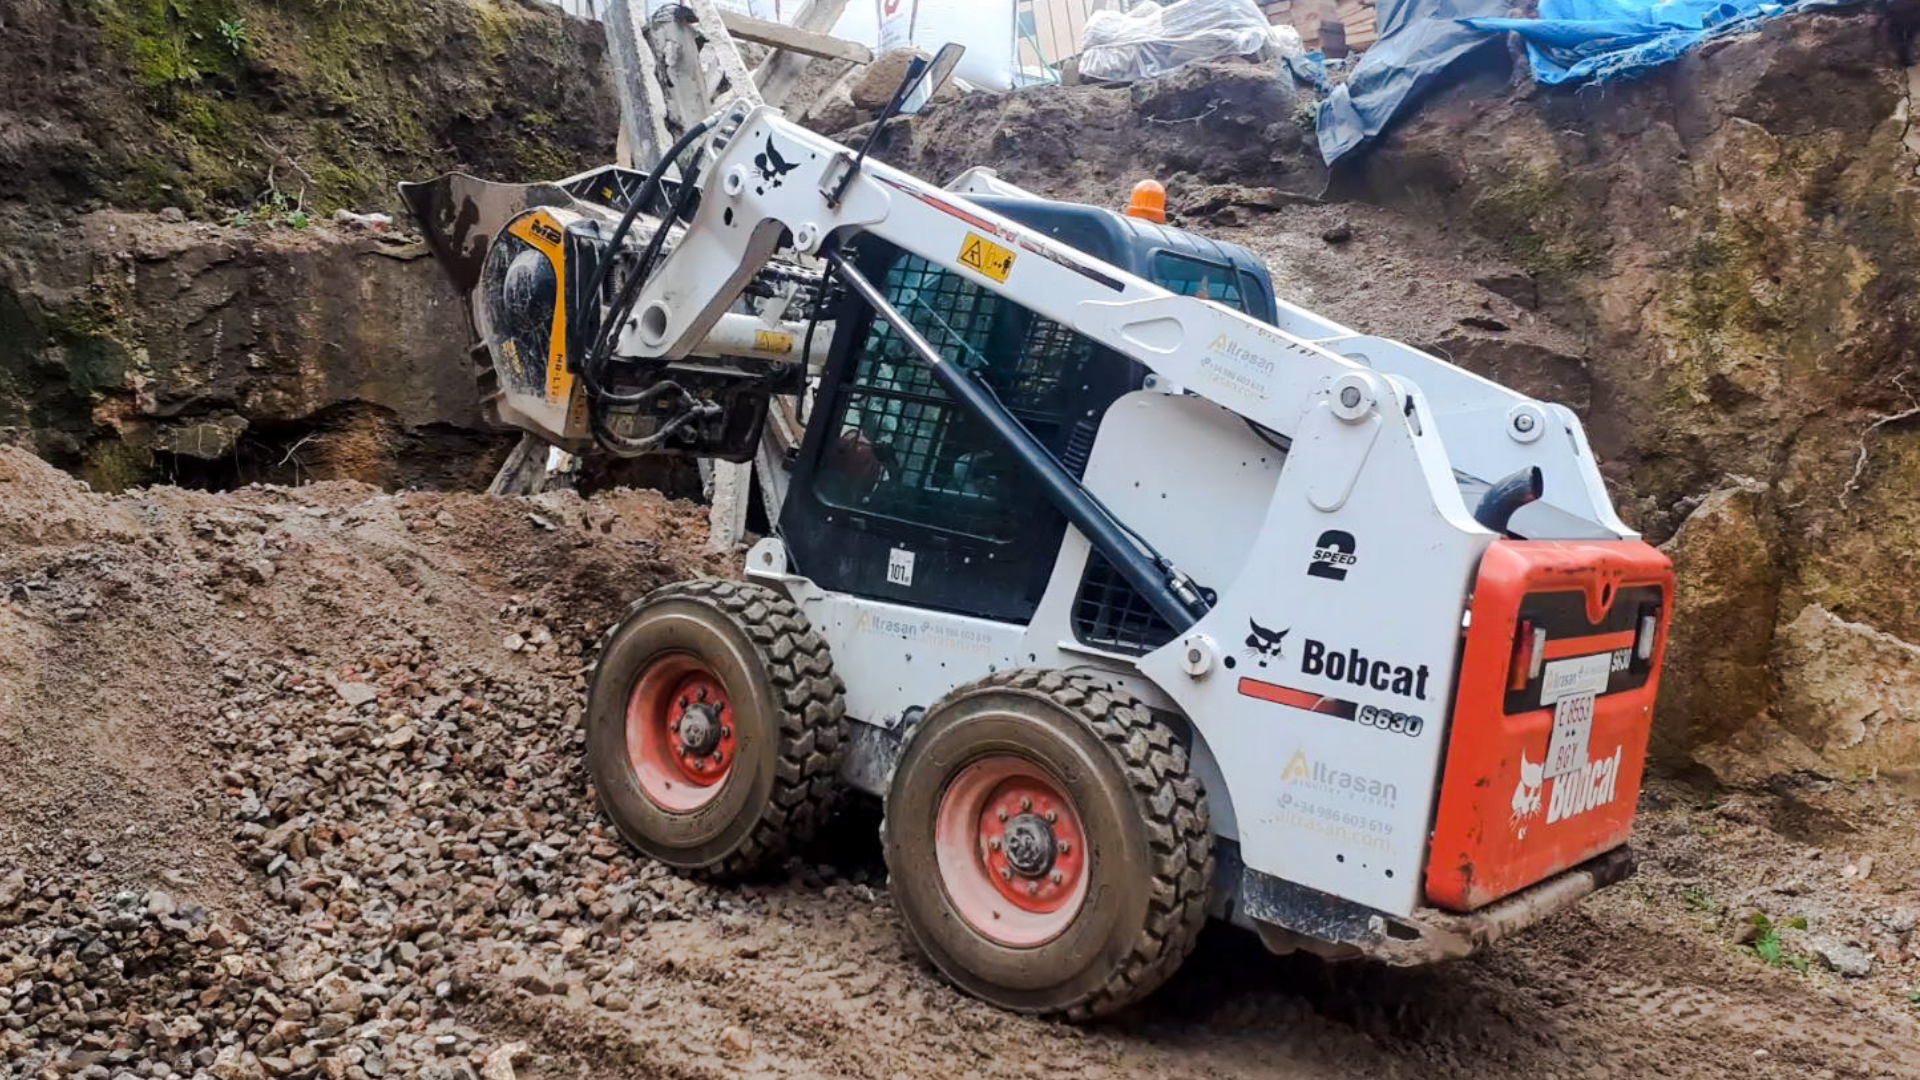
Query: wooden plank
(824, 46)
(780, 73)
(737, 81)
(727, 517)
(643, 108)
(682, 78)
(525, 470)
(781, 434)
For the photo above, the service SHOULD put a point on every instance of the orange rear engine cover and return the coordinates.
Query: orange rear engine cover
(1508, 817)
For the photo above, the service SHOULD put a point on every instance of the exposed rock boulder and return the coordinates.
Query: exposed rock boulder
(160, 346)
(1850, 692)
(1715, 680)
(149, 349)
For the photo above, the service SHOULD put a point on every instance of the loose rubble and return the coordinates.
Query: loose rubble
(287, 804)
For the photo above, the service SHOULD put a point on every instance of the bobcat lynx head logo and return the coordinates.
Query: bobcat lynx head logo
(773, 168)
(1526, 796)
(1264, 644)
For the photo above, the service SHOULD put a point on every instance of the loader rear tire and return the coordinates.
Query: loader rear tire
(715, 724)
(1046, 844)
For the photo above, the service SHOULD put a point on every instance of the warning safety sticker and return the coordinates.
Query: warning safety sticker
(983, 255)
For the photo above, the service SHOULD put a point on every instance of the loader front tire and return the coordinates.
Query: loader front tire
(1046, 844)
(714, 727)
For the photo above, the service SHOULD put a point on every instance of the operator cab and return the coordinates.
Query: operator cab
(899, 495)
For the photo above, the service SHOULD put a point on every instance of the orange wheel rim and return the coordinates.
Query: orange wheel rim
(1012, 851)
(682, 735)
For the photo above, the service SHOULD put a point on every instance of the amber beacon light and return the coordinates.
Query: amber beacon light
(1149, 202)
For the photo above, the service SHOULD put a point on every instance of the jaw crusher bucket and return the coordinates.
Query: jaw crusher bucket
(523, 255)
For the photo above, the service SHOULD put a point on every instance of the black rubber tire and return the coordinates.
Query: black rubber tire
(1145, 816)
(790, 714)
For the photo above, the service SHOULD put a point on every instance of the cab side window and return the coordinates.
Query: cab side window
(902, 449)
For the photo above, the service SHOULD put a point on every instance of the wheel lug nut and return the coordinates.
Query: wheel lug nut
(1006, 874)
(703, 693)
(1025, 803)
(716, 757)
(1033, 888)
(726, 732)
(684, 702)
(993, 844)
(1066, 846)
(1052, 816)
(1001, 814)
(1056, 877)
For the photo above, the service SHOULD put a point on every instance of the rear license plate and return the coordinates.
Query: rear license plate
(1572, 728)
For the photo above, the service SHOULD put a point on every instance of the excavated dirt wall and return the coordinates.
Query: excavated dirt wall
(1735, 239)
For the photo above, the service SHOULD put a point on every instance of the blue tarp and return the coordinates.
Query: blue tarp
(1572, 40)
(1418, 39)
(1581, 40)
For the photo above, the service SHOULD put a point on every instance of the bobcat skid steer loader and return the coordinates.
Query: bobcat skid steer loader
(1136, 593)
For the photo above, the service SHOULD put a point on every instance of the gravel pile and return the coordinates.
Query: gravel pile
(395, 813)
(282, 765)
(414, 824)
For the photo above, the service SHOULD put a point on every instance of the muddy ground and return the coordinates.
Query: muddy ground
(293, 788)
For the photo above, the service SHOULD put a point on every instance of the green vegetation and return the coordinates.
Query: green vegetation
(277, 209)
(1306, 115)
(173, 44)
(234, 33)
(113, 466)
(332, 100)
(1769, 948)
(1524, 211)
(1698, 899)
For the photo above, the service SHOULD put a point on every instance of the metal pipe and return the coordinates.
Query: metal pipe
(737, 334)
(1146, 575)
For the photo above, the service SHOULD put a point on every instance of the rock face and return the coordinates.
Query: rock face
(140, 349)
(1849, 692)
(1205, 124)
(1737, 237)
(214, 106)
(231, 336)
(1717, 682)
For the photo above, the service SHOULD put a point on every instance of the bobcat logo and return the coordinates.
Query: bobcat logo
(1264, 644)
(1526, 796)
(773, 168)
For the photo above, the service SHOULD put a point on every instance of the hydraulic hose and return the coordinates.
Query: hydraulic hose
(649, 191)
(621, 446)
(590, 364)
(1507, 495)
